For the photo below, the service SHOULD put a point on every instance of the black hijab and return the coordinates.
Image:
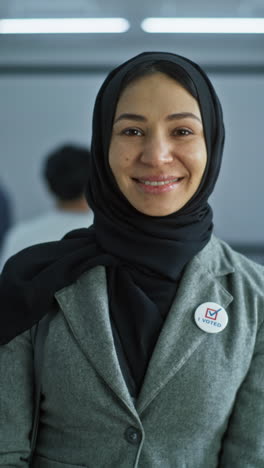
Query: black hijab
(135, 248)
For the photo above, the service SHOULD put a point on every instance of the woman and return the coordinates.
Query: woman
(155, 351)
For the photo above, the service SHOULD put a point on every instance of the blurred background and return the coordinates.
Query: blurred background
(48, 84)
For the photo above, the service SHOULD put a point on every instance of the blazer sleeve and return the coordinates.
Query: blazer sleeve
(16, 400)
(243, 445)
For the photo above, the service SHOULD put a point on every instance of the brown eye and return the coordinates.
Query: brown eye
(182, 132)
(132, 132)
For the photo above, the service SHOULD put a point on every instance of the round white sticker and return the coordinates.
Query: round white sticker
(211, 317)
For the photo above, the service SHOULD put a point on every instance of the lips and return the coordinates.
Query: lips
(157, 184)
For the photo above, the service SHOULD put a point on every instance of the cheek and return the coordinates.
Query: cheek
(113, 156)
(198, 160)
(116, 163)
(203, 160)
(119, 156)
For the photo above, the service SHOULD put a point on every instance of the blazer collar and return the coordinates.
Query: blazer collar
(85, 307)
(213, 258)
(180, 337)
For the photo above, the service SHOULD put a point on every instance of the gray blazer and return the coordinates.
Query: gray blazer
(202, 401)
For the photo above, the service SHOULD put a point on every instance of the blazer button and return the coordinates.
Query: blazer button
(132, 435)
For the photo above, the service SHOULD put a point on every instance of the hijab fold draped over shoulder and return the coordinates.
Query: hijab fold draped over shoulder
(135, 248)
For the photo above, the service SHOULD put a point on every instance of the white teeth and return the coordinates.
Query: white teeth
(162, 182)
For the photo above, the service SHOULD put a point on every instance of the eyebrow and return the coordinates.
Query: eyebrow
(183, 115)
(141, 118)
(127, 116)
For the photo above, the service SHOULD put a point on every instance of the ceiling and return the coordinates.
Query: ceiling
(32, 8)
(106, 50)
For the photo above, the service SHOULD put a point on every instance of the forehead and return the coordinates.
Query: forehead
(156, 92)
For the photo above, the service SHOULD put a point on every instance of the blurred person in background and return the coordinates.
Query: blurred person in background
(65, 174)
(5, 214)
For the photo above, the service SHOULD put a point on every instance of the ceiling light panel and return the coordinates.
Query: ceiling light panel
(63, 25)
(204, 25)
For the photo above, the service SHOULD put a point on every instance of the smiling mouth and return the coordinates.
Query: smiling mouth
(157, 183)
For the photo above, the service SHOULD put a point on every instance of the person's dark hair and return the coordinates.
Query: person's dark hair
(66, 171)
(170, 69)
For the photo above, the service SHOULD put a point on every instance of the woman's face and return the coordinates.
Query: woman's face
(157, 151)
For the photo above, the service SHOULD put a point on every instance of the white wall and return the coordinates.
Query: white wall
(239, 195)
(38, 112)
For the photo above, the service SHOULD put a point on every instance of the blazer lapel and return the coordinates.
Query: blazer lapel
(85, 307)
(180, 336)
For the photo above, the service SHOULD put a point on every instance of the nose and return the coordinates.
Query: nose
(157, 150)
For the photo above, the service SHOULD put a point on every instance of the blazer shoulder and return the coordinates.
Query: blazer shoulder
(239, 259)
(245, 271)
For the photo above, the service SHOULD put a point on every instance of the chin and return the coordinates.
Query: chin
(156, 212)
